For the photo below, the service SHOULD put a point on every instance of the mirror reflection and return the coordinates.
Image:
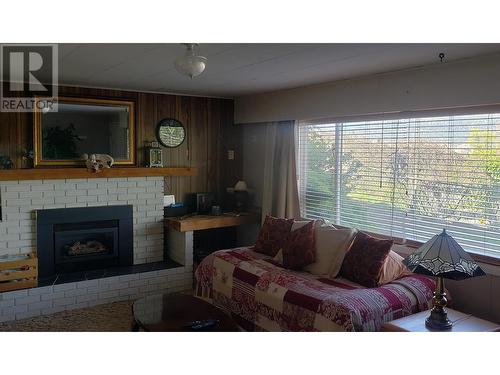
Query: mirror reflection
(89, 127)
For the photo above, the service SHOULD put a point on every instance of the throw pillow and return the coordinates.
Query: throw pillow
(299, 248)
(273, 235)
(300, 223)
(331, 246)
(278, 258)
(365, 259)
(393, 268)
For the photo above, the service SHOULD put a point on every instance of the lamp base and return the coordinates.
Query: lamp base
(438, 320)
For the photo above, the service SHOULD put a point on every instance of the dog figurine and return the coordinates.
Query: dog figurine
(96, 163)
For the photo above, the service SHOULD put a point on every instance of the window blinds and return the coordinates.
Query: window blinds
(407, 177)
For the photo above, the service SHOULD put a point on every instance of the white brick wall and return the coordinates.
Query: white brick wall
(22, 304)
(20, 199)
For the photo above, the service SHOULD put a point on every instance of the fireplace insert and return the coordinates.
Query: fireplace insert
(81, 239)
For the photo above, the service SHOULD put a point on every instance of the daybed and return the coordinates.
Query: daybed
(261, 295)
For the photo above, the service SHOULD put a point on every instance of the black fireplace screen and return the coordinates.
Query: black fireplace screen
(87, 238)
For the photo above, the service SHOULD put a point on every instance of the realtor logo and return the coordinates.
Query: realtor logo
(27, 71)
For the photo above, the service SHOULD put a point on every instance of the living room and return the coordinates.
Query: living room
(251, 183)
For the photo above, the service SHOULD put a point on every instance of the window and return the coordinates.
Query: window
(406, 177)
(1, 204)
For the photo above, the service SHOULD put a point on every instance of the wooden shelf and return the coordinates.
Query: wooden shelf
(70, 173)
(200, 222)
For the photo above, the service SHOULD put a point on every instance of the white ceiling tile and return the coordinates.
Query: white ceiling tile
(242, 69)
(89, 59)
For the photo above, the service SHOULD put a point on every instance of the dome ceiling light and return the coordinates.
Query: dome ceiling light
(191, 64)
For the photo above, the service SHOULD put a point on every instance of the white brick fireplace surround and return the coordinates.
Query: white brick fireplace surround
(20, 199)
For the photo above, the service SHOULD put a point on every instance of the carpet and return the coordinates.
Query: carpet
(111, 317)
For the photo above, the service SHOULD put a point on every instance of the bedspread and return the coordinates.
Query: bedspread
(262, 296)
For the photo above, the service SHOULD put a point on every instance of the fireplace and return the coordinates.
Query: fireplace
(82, 239)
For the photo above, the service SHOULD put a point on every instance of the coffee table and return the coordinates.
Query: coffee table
(171, 312)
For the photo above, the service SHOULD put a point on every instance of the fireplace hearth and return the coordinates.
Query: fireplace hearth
(82, 239)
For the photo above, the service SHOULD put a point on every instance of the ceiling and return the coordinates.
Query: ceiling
(242, 69)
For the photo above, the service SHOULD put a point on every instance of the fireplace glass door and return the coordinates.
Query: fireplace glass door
(85, 245)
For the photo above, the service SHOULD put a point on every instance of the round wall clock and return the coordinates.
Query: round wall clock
(170, 132)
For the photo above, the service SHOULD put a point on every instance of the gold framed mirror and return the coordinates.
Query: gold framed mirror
(78, 126)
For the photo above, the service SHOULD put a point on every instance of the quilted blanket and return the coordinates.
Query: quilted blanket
(262, 296)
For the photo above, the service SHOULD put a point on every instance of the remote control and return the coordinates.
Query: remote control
(204, 324)
(193, 323)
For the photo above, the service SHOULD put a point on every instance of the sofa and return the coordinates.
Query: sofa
(272, 289)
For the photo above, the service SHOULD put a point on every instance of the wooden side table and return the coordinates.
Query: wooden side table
(179, 232)
(461, 323)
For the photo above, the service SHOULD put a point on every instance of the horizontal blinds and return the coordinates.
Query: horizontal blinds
(316, 170)
(367, 175)
(407, 177)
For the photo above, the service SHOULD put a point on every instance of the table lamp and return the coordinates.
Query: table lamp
(443, 258)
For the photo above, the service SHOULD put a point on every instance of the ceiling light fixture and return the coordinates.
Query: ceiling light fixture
(190, 64)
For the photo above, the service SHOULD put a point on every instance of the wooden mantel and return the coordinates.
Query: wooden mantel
(71, 173)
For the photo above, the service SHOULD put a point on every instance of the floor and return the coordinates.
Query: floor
(111, 317)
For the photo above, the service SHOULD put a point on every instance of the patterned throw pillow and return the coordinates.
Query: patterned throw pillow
(300, 249)
(365, 259)
(273, 235)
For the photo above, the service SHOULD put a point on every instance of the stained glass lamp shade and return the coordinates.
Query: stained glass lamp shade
(443, 258)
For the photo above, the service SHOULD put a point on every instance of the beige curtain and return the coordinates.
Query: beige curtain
(280, 195)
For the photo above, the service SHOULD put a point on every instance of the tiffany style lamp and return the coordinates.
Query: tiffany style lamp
(443, 258)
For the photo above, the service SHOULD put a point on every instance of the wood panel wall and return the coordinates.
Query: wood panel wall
(210, 134)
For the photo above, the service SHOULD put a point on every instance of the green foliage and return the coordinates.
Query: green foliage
(484, 149)
(60, 144)
(321, 153)
(6, 162)
(321, 172)
(427, 177)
